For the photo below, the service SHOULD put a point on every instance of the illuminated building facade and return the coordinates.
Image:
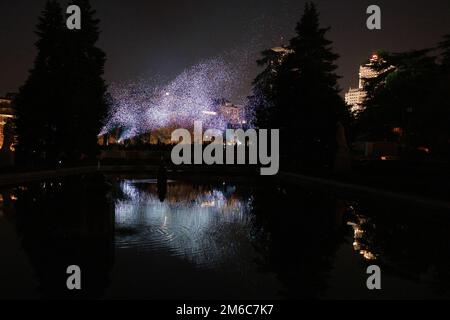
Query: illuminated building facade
(6, 116)
(355, 97)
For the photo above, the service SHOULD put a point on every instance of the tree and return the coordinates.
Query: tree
(261, 102)
(303, 94)
(38, 99)
(62, 105)
(440, 103)
(309, 93)
(444, 46)
(411, 94)
(86, 99)
(401, 97)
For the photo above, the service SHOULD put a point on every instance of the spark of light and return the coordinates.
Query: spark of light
(140, 107)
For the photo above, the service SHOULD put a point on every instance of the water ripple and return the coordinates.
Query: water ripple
(200, 225)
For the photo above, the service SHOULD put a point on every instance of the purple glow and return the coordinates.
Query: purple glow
(141, 107)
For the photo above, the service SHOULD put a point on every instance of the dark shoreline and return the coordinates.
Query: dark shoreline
(234, 173)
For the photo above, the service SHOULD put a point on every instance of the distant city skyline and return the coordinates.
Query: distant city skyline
(157, 40)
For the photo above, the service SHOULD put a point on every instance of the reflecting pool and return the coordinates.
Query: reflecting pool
(141, 239)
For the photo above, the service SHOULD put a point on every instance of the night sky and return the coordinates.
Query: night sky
(153, 39)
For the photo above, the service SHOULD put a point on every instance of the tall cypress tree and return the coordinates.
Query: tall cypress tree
(39, 98)
(309, 101)
(62, 105)
(86, 101)
(301, 94)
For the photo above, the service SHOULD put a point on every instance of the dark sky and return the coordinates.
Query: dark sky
(160, 38)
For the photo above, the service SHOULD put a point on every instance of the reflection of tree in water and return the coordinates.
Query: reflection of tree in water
(67, 222)
(412, 243)
(304, 232)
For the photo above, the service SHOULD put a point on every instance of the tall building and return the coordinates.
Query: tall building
(355, 97)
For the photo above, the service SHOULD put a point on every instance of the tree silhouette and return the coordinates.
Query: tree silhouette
(62, 105)
(86, 99)
(38, 100)
(264, 89)
(301, 87)
(444, 45)
(400, 90)
(309, 94)
(440, 103)
(411, 93)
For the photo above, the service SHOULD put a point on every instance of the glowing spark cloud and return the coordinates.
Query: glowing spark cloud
(138, 108)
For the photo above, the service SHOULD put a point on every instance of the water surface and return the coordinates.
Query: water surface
(137, 239)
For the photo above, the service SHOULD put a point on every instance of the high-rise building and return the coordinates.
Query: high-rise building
(355, 97)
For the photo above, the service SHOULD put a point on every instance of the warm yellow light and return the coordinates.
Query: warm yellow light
(210, 113)
(398, 131)
(424, 149)
(208, 204)
(368, 255)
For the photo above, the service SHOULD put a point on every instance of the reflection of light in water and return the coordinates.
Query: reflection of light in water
(368, 255)
(204, 225)
(361, 239)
